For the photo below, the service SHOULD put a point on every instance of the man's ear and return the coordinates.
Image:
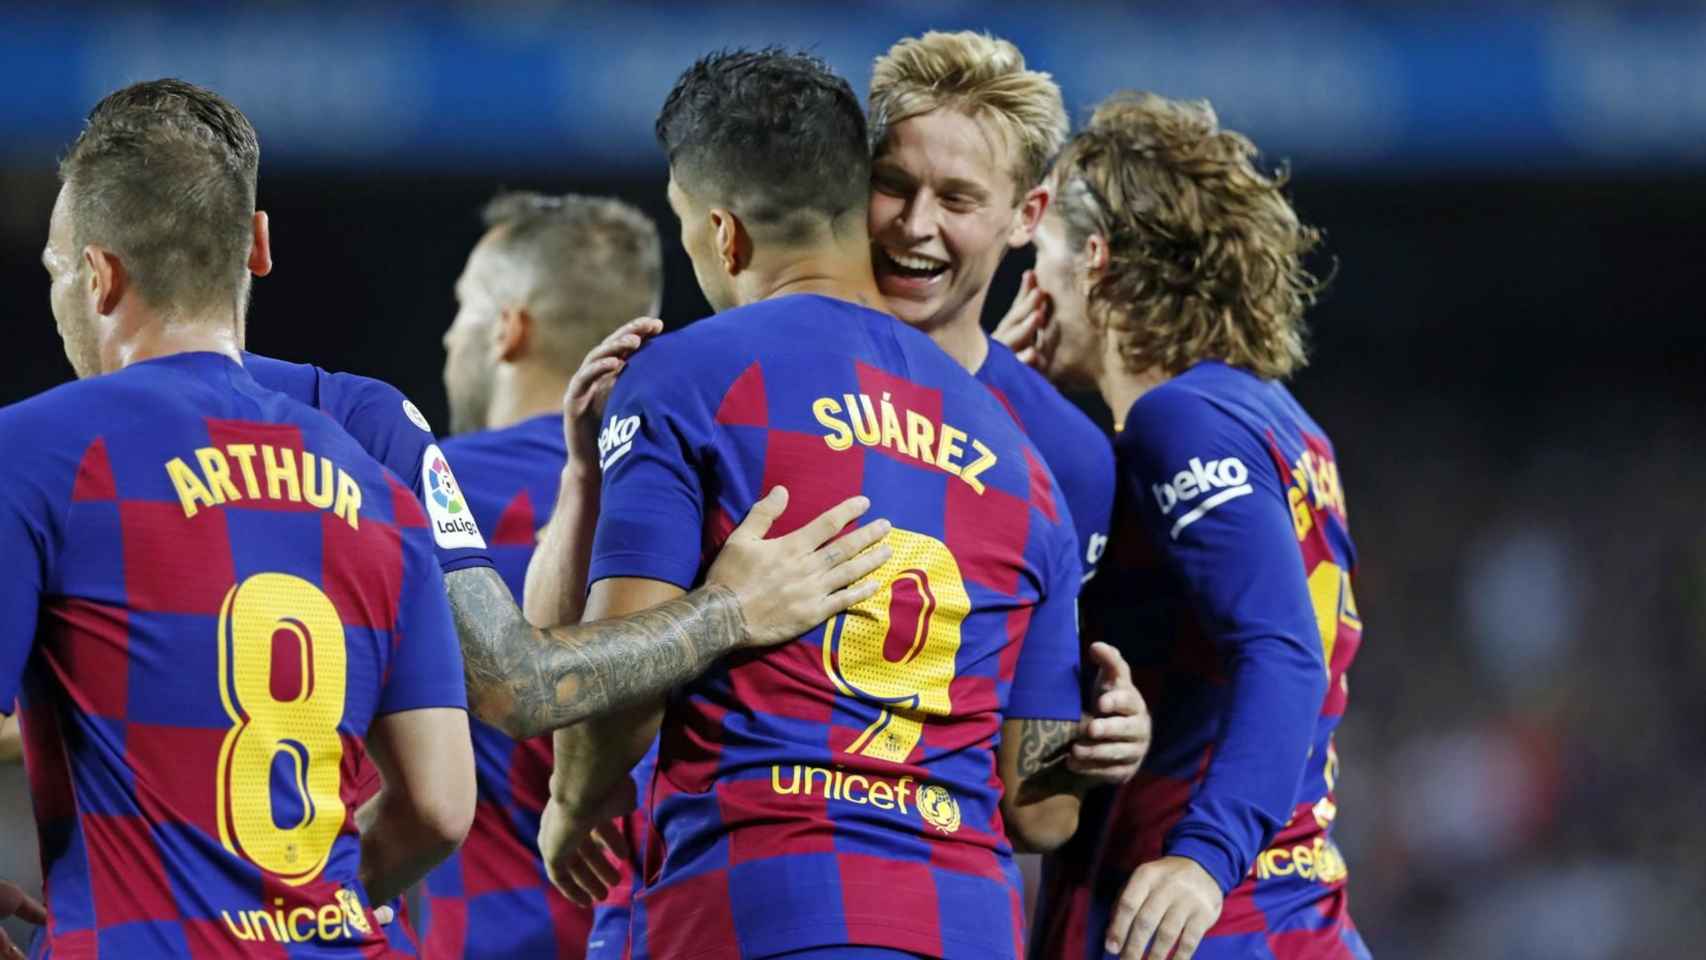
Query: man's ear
(513, 333)
(108, 279)
(260, 253)
(730, 240)
(1029, 215)
(1095, 257)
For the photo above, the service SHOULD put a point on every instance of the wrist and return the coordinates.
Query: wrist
(581, 476)
(721, 601)
(1211, 857)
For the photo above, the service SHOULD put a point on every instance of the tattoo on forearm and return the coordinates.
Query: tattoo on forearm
(529, 681)
(1042, 759)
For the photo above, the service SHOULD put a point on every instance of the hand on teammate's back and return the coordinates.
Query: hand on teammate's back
(1025, 329)
(789, 584)
(589, 388)
(14, 902)
(1112, 743)
(1168, 903)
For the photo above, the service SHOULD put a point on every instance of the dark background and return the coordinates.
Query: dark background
(1512, 364)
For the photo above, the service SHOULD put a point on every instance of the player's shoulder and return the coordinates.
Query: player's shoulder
(64, 413)
(1209, 398)
(1047, 416)
(522, 447)
(339, 394)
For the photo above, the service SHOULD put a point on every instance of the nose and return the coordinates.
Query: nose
(917, 220)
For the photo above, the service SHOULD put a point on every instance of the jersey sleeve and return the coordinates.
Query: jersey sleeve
(651, 516)
(1045, 680)
(1212, 503)
(26, 541)
(393, 432)
(426, 662)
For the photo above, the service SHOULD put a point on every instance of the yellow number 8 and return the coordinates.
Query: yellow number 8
(268, 619)
(917, 613)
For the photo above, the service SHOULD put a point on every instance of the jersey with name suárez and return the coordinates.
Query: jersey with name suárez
(842, 788)
(392, 431)
(1228, 588)
(1075, 449)
(491, 899)
(213, 593)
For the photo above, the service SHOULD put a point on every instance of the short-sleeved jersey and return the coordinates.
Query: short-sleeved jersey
(393, 432)
(1228, 588)
(491, 899)
(1075, 449)
(841, 789)
(212, 593)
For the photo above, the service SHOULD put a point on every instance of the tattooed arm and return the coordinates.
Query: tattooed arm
(1040, 796)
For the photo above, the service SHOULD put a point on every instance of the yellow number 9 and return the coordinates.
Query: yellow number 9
(266, 620)
(915, 615)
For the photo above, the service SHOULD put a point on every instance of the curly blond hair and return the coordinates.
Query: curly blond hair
(1205, 254)
(983, 77)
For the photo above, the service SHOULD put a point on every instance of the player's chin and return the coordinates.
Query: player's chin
(914, 301)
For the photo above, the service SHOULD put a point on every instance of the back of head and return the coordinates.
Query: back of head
(981, 76)
(582, 266)
(163, 175)
(774, 136)
(1205, 254)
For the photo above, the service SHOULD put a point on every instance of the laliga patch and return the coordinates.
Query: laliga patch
(453, 525)
(414, 414)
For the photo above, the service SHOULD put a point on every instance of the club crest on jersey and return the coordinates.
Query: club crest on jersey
(453, 525)
(1215, 480)
(616, 439)
(938, 807)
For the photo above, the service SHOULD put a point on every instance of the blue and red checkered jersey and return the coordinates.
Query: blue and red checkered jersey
(1075, 449)
(394, 432)
(841, 789)
(213, 592)
(491, 899)
(1228, 588)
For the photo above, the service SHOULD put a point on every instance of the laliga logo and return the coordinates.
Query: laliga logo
(939, 808)
(444, 486)
(616, 439)
(1226, 479)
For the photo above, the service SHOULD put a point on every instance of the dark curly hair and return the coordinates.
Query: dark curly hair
(164, 175)
(776, 136)
(1205, 254)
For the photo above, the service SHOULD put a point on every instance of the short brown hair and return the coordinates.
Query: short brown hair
(981, 76)
(1205, 254)
(163, 174)
(592, 264)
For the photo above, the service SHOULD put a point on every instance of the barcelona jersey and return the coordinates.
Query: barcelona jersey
(1228, 588)
(491, 899)
(1075, 449)
(213, 593)
(840, 789)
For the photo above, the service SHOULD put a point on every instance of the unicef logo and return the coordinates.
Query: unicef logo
(939, 808)
(442, 486)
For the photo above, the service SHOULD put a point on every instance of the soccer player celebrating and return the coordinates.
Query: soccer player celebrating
(845, 790)
(1173, 269)
(549, 279)
(225, 606)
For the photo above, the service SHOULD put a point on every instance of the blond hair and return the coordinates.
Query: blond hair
(1205, 254)
(981, 76)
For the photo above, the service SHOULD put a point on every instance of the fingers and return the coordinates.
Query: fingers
(841, 555)
(1191, 939)
(1111, 668)
(1084, 757)
(1143, 930)
(384, 914)
(1119, 937)
(587, 889)
(1167, 934)
(598, 860)
(827, 524)
(611, 836)
(8, 949)
(842, 599)
(1122, 702)
(763, 514)
(14, 902)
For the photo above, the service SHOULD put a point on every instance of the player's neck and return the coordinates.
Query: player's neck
(1120, 388)
(522, 393)
(962, 337)
(136, 337)
(834, 270)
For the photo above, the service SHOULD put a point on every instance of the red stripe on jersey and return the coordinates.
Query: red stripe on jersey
(817, 477)
(95, 475)
(763, 822)
(744, 403)
(406, 509)
(493, 858)
(210, 940)
(987, 533)
(173, 563)
(362, 571)
(786, 681)
(1042, 488)
(88, 645)
(515, 525)
(884, 389)
(1006, 404)
(878, 894)
(126, 875)
(707, 931)
(160, 755)
(46, 763)
(447, 933)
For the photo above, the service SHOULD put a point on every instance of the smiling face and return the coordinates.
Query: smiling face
(1062, 273)
(944, 211)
